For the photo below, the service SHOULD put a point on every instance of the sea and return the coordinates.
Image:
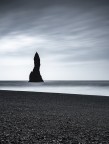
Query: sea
(100, 88)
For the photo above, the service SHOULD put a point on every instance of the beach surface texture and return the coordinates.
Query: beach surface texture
(47, 118)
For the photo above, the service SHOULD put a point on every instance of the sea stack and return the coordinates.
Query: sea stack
(35, 74)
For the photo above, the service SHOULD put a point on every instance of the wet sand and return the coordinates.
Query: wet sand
(47, 118)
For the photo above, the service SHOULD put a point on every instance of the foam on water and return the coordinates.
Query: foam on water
(70, 87)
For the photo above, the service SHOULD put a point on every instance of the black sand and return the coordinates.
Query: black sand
(44, 118)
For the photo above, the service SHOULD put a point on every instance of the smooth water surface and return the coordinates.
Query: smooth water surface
(70, 87)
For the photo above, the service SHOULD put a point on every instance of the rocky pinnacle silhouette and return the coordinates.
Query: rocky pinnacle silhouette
(35, 74)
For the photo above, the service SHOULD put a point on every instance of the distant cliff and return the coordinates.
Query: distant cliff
(35, 74)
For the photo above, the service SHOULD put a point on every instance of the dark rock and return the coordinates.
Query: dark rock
(35, 74)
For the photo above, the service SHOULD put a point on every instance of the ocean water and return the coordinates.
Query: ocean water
(70, 87)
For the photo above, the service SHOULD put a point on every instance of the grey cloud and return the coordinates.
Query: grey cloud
(75, 30)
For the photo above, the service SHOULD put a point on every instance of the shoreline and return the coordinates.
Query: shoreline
(37, 117)
(57, 93)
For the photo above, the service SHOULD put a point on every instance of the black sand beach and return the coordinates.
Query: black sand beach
(44, 118)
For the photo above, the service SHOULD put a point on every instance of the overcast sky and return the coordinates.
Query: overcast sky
(71, 37)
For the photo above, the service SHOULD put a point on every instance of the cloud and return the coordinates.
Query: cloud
(62, 31)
